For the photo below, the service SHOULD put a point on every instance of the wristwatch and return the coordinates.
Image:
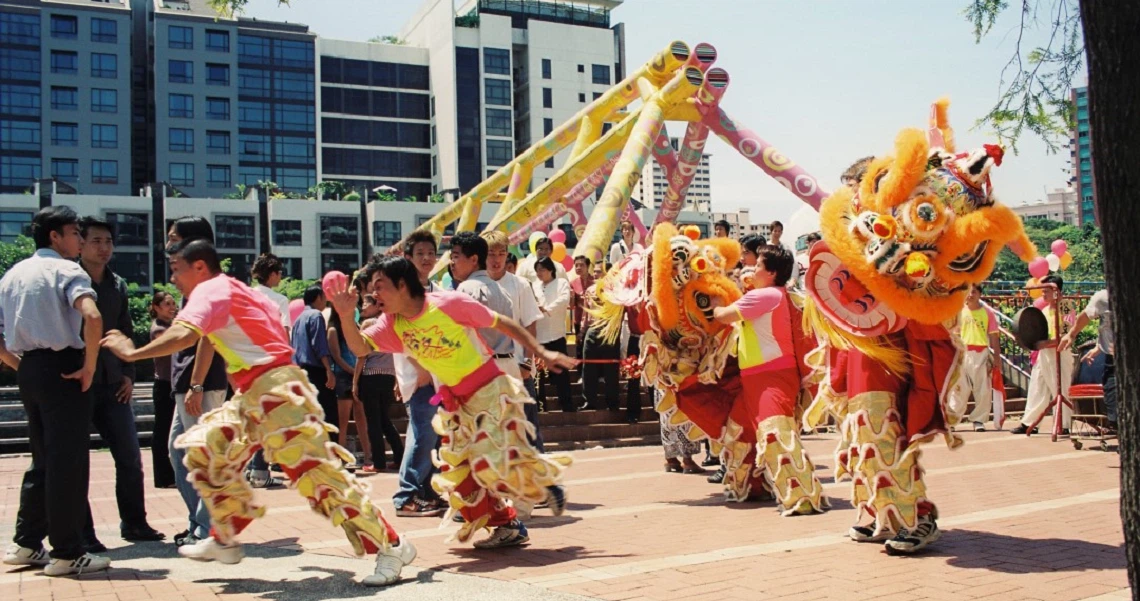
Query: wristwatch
(197, 388)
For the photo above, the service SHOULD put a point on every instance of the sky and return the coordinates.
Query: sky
(825, 81)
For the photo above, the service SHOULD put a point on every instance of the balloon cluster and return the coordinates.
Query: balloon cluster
(1057, 260)
(558, 240)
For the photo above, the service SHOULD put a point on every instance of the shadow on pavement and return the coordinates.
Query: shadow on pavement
(481, 561)
(338, 583)
(285, 547)
(972, 549)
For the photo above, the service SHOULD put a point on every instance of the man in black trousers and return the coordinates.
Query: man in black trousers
(50, 328)
(112, 388)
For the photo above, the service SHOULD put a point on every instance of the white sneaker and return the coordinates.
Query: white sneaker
(79, 565)
(979, 427)
(390, 563)
(866, 534)
(209, 549)
(23, 556)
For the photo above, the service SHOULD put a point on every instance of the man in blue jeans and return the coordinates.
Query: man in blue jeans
(415, 498)
(113, 386)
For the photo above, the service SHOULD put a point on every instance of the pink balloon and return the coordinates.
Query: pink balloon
(1059, 247)
(560, 236)
(1039, 267)
(1040, 303)
(333, 278)
(296, 307)
(568, 262)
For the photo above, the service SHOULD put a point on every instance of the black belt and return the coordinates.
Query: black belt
(505, 356)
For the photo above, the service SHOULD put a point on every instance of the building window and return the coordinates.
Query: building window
(20, 100)
(104, 136)
(295, 150)
(253, 147)
(181, 72)
(343, 262)
(104, 65)
(19, 135)
(104, 172)
(64, 62)
(339, 232)
(134, 267)
(498, 92)
(104, 30)
(499, 152)
(547, 98)
(182, 174)
(581, 68)
(294, 86)
(18, 171)
(546, 68)
(64, 26)
(601, 74)
(131, 229)
(64, 134)
(499, 122)
(14, 224)
(104, 101)
(597, 95)
(235, 231)
(581, 97)
(182, 106)
(20, 29)
(217, 74)
(497, 61)
(547, 126)
(385, 233)
(181, 140)
(66, 170)
(217, 142)
(549, 164)
(293, 117)
(217, 40)
(293, 53)
(291, 267)
(218, 109)
(218, 176)
(286, 232)
(64, 99)
(181, 37)
(20, 64)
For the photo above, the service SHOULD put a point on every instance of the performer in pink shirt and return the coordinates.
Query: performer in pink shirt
(275, 410)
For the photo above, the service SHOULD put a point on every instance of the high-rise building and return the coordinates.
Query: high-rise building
(1081, 153)
(65, 94)
(652, 187)
(504, 73)
(1059, 205)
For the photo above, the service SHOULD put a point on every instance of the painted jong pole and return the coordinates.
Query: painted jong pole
(767, 157)
(693, 146)
(604, 219)
(552, 213)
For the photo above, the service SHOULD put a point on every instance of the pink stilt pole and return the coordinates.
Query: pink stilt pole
(580, 192)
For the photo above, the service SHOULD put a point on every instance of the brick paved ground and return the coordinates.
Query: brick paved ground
(1023, 519)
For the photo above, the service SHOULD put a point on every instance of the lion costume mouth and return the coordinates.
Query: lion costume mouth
(969, 262)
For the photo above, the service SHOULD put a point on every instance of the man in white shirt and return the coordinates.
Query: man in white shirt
(626, 245)
(266, 273)
(525, 311)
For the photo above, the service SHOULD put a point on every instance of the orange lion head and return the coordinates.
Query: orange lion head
(920, 228)
(688, 276)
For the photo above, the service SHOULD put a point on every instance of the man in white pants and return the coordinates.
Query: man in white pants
(1043, 378)
(979, 332)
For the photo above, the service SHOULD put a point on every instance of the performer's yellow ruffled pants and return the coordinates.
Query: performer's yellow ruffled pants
(280, 415)
(485, 455)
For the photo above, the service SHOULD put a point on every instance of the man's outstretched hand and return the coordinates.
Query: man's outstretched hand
(119, 344)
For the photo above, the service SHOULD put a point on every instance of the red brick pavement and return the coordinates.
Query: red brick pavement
(1022, 519)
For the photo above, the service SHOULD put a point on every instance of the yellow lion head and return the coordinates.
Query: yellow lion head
(921, 227)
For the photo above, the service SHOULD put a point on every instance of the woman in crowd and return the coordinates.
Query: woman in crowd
(551, 328)
(374, 388)
(344, 366)
(163, 308)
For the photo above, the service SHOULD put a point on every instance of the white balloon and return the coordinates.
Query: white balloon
(1054, 262)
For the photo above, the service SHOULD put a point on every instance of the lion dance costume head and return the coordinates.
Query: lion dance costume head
(669, 292)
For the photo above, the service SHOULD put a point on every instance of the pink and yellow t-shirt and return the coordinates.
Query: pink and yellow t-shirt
(243, 325)
(766, 332)
(977, 325)
(442, 338)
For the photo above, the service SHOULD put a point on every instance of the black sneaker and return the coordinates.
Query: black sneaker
(556, 498)
(178, 538)
(907, 542)
(141, 533)
(187, 540)
(710, 461)
(718, 476)
(419, 508)
(1022, 429)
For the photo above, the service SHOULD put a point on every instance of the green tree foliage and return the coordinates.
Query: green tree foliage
(293, 288)
(14, 252)
(230, 8)
(1034, 85)
(388, 39)
(1084, 245)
